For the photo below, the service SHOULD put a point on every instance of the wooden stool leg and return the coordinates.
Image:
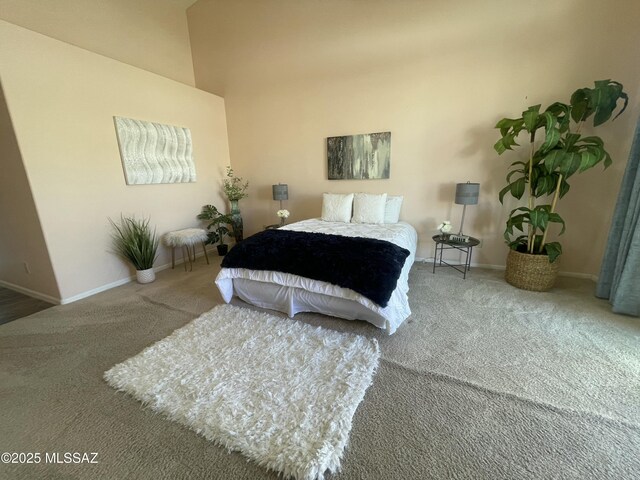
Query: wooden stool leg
(204, 249)
(190, 264)
(184, 259)
(173, 257)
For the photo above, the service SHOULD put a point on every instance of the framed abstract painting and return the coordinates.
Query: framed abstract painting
(359, 157)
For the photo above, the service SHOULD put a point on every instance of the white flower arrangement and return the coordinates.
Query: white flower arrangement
(445, 227)
(283, 213)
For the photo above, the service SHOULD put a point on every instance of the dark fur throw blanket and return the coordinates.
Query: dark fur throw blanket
(368, 266)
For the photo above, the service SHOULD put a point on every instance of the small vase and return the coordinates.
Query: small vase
(145, 276)
(236, 220)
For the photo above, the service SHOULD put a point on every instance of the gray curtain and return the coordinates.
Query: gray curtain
(619, 279)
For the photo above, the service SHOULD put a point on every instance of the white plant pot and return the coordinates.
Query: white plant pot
(145, 276)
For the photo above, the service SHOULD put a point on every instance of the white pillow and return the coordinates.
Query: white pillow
(368, 208)
(392, 209)
(336, 207)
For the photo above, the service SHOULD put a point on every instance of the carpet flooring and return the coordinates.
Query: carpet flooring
(482, 381)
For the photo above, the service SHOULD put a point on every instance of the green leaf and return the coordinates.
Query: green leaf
(508, 123)
(536, 172)
(587, 160)
(505, 143)
(499, 147)
(593, 140)
(564, 187)
(545, 185)
(509, 140)
(556, 218)
(521, 240)
(603, 103)
(580, 105)
(570, 163)
(604, 100)
(503, 192)
(539, 218)
(553, 159)
(512, 173)
(570, 140)
(602, 83)
(562, 114)
(607, 159)
(553, 250)
(518, 188)
(625, 97)
(530, 117)
(516, 221)
(552, 134)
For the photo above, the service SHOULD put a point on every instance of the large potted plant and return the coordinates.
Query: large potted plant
(217, 227)
(134, 241)
(235, 190)
(554, 156)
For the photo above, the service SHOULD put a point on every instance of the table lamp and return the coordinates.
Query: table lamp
(466, 194)
(281, 192)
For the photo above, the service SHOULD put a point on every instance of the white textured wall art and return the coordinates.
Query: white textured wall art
(154, 153)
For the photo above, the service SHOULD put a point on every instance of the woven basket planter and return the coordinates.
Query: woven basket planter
(531, 272)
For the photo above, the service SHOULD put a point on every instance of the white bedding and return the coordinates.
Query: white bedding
(291, 294)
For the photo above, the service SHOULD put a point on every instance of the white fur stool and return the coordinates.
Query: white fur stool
(187, 239)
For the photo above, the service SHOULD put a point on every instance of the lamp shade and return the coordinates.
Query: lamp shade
(467, 193)
(281, 192)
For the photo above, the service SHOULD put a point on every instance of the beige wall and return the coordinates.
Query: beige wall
(21, 238)
(150, 34)
(62, 100)
(438, 75)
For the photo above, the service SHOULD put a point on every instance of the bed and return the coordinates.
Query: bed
(291, 294)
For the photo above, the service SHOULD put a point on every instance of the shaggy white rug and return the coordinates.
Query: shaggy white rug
(281, 392)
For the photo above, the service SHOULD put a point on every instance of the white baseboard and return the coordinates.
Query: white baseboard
(30, 293)
(93, 291)
(120, 282)
(587, 276)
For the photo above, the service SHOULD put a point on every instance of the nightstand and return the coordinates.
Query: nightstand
(443, 244)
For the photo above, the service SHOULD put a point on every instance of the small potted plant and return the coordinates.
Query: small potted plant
(134, 241)
(235, 190)
(217, 227)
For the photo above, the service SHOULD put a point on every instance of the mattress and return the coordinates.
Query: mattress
(292, 294)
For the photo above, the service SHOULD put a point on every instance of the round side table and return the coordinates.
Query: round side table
(444, 243)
